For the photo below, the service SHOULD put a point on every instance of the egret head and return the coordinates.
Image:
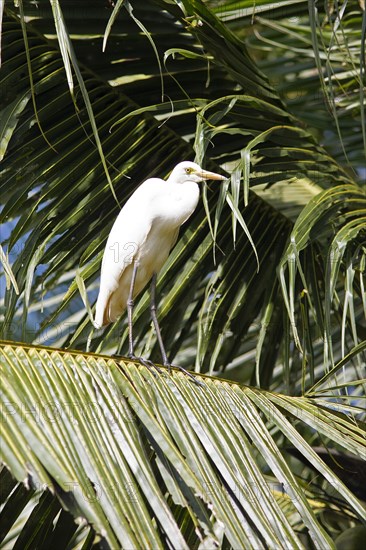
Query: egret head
(190, 171)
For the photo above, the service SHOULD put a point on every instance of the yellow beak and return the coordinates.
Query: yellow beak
(204, 174)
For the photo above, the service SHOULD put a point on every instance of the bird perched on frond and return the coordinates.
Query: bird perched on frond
(139, 243)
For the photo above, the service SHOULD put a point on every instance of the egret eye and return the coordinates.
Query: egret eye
(189, 170)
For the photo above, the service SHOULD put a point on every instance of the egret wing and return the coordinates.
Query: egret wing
(127, 235)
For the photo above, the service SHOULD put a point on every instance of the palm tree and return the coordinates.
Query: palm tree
(263, 295)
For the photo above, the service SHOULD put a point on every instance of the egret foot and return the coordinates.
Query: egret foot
(189, 374)
(146, 362)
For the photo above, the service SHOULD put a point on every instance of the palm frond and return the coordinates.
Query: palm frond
(134, 453)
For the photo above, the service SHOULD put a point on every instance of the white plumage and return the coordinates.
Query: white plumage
(143, 234)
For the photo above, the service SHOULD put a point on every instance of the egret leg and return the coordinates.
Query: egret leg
(130, 304)
(154, 318)
(153, 311)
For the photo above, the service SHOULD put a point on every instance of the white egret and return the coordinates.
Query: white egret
(139, 243)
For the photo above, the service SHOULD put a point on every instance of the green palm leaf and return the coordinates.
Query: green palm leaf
(100, 434)
(253, 133)
(271, 94)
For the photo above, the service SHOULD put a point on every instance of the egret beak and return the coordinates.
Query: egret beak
(205, 175)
